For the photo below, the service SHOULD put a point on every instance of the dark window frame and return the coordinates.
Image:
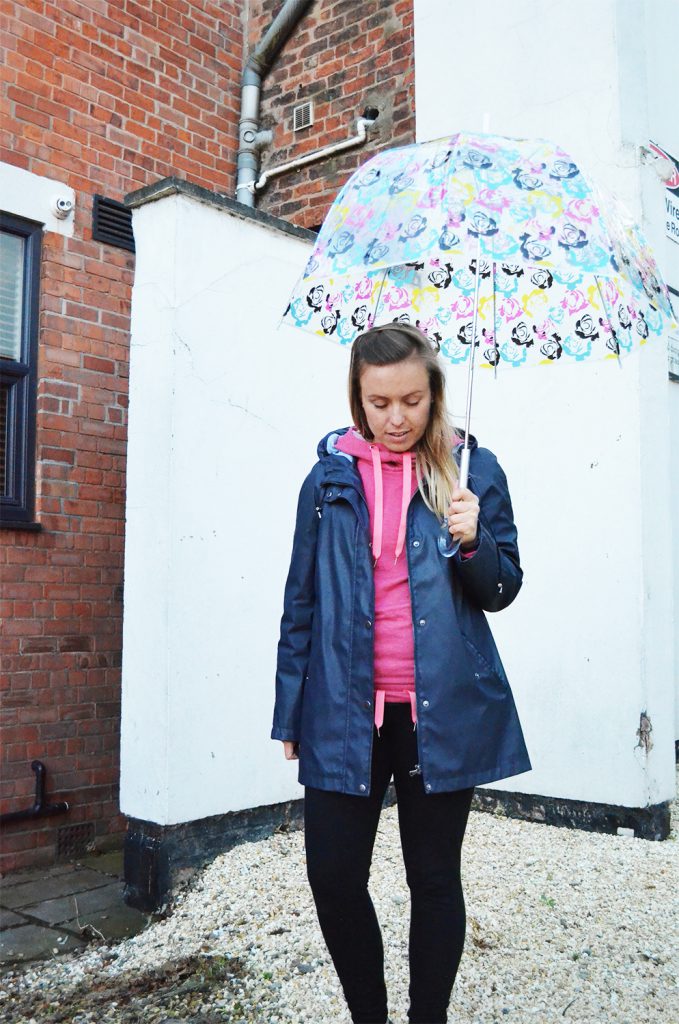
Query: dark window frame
(20, 377)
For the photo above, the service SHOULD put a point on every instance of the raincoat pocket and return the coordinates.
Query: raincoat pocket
(491, 682)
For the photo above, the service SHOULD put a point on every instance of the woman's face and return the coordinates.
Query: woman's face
(396, 400)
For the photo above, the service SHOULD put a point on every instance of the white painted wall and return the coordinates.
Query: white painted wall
(225, 414)
(226, 409)
(674, 505)
(657, 24)
(589, 643)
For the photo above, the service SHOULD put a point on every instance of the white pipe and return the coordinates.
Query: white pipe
(358, 139)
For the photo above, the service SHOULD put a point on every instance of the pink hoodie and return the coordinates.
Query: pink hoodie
(389, 482)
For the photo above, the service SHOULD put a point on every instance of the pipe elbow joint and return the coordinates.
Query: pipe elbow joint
(263, 139)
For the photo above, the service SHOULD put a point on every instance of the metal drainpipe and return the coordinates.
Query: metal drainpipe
(41, 808)
(259, 63)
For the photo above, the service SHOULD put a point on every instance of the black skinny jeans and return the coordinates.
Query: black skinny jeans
(340, 832)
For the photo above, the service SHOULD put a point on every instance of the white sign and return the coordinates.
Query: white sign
(671, 216)
(671, 194)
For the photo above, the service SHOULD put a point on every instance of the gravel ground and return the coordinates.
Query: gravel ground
(562, 925)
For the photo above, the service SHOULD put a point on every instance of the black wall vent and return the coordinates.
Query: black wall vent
(112, 223)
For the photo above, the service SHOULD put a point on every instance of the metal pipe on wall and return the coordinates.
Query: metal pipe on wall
(259, 63)
(41, 808)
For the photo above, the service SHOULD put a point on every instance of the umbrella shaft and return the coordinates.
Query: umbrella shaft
(464, 467)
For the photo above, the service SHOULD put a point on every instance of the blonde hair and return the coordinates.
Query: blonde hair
(437, 472)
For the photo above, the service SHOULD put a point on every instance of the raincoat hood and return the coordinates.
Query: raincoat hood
(327, 446)
(350, 444)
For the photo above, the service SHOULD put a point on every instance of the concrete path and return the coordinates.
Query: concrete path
(59, 909)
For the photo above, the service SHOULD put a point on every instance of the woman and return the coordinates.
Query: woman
(387, 667)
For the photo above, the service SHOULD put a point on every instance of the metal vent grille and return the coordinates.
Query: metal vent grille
(112, 223)
(303, 116)
(74, 840)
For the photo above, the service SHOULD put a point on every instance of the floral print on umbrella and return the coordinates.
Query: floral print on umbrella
(561, 278)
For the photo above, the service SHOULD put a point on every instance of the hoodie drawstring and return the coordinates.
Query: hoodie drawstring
(405, 501)
(379, 709)
(379, 503)
(378, 532)
(380, 697)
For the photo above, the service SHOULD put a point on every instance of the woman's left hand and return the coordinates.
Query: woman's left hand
(463, 516)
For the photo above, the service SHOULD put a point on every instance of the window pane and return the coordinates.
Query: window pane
(4, 430)
(11, 294)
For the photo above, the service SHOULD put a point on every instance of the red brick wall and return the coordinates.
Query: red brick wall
(106, 96)
(345, 55)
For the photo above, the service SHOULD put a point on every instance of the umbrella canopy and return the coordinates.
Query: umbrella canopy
(482, 236)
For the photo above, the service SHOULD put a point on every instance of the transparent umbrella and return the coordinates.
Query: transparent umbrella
(489, 239)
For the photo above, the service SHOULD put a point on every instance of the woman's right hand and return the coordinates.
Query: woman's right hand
(291, 750)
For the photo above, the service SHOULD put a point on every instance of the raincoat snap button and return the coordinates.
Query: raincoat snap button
(367, 704)
(330, 494)
(423, 622)
(425, 703)
(362, 787)
(416, 543)
(368, 624)
(428, 787)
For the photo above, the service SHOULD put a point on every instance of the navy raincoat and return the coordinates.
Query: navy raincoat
(468, 730)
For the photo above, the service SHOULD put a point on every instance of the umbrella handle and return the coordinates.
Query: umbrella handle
(447, 544)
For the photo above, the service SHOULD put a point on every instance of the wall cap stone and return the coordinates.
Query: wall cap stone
(178, 186)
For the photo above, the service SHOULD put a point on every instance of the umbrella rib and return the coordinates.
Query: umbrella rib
(610, 321)
(497, 347)
(379, 294)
